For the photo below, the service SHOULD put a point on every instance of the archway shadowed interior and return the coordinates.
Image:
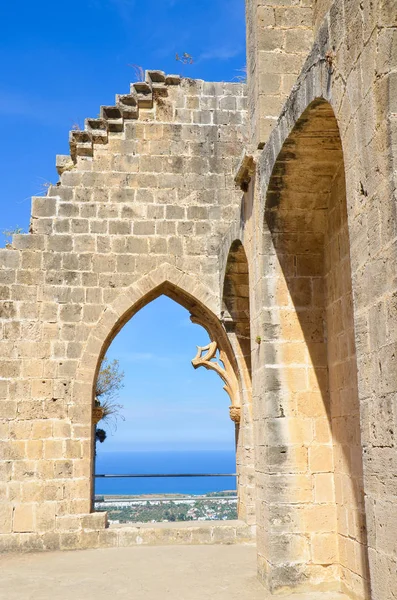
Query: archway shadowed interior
(236, 308)
(236, 319)
(310, 379)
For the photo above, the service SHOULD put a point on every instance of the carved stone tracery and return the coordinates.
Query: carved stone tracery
(207, 357)
(235, 413)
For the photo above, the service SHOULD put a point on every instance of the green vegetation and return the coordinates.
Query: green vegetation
(8, 233)
(185, 58)
(109, 383)
(213, 506)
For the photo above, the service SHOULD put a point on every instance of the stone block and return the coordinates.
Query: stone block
(41, 430)
(286, 459)
(68, 523)
(222, 534)
(119, 227)
(321, 458)
(70, 540)
(60, 243)
(53, 449)
(32, 491)
(290, 548)
(51, 541)
(5, 518)
(96, 520)
(9, 259)
(108, 538)
(290, 488)
(174, 212)
(23, 518)
(89, 539)
(324, 489)
(168, 536)
(63, 469)
(129, 537)
(144, 227)
(45, 516)
(324, 548)
(30, 542)
(28, 241)
(9, 543)
(158, 245)
(43, 206)
(41, 388)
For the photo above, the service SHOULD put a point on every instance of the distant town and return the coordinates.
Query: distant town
(219, 506)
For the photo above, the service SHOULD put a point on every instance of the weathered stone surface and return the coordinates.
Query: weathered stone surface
(295, 280)
(23, 518)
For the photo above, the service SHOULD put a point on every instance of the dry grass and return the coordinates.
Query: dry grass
(138, 72)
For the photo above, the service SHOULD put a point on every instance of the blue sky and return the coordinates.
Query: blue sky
(61, 61)
(168, 405)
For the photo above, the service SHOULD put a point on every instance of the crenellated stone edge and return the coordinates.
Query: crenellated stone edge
(111, 118)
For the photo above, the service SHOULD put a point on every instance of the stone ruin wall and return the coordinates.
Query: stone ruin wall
(279, 37)
(344, 53)
(350, 65)
(148, 190)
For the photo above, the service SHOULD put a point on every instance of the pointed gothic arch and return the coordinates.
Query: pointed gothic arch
(310, 377)
(236, 301)
(235, 314)
(200, 302)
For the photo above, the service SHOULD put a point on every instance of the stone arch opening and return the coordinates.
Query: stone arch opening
(235, 301)
(236, 320)
(176, 421)
(315, 528)
(218, 356)
(198, 311)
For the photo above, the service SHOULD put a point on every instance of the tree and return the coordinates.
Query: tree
(109, 383)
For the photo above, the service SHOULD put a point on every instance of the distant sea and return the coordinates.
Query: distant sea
(165, 462)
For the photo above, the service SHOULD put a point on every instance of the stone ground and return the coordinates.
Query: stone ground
(150, 573)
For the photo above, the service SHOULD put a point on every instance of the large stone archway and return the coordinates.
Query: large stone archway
(313, 531)
(356, 81)
(235, 299)
(236, 318)
(169, 281)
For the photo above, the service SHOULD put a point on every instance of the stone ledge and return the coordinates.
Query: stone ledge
(245, 171)
(87, 532)
(190, 532)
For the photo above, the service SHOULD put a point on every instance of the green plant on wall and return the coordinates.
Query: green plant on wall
(8, 233)
(108, 385)
(185, 59)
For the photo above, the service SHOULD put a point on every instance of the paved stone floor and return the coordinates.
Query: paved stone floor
(137, 573)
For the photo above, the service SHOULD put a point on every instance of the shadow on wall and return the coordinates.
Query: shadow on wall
(236, 308)
(311, 291)
(236, 319)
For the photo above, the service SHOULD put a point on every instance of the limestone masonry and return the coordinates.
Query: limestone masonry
(268, 210)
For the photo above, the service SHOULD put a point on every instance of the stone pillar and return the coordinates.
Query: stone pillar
(279, 37)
